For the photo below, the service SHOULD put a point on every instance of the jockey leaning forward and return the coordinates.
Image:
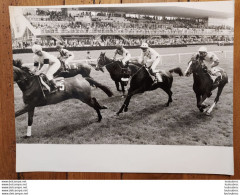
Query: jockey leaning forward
(150, 58)
(65, 56)
(211, 60)
(125, 54)
(46, 64)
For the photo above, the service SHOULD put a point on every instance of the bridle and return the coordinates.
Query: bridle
(104, 59)
(21, 80)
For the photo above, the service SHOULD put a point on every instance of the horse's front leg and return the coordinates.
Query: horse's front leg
(30, 122)
(127, 100)
(124, 106)
(201, 106)
(22, 111)
(117, 85)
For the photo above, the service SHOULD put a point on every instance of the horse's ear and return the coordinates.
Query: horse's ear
(17, 63)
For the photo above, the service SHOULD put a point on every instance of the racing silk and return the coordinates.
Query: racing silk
(126, 56)
(150, 58)
(122, 52)
(64, 53)
(211, 60)
(47, 64)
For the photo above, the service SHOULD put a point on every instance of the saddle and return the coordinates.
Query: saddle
(215, 74)
(152, 75)
(46, 85)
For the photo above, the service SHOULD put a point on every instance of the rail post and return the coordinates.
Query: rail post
(179, 58)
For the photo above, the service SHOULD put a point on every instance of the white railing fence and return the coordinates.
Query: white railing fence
(180, 57)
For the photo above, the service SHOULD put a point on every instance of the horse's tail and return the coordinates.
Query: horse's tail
(99, 85)
(177, 70)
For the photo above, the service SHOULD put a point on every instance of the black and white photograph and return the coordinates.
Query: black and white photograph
(139, 74)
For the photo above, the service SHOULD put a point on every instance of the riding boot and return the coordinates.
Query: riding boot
(158, 78)
(53, 87)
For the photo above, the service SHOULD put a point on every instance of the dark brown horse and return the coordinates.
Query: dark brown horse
(141, 81)
(116, 70)
(75, 87)
(75, 69)
(203, 84)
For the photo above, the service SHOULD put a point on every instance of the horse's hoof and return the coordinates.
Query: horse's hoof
(104, 107)
(166, 105)
(99, 120)
(205, 106)
(117, 114)
(208, 113)
(125, 109)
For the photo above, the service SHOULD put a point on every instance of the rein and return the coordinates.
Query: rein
(25, 79)
(137, 71)
(112, 63)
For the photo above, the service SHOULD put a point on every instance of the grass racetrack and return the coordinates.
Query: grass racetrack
(147, 121)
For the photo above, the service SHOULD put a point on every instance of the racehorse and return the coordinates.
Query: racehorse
(141, 81)
(82, 69)
(75, 87)
(115, 69)
(79, 68)
(203, 84)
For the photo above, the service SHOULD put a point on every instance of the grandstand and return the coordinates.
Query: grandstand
(131, 25)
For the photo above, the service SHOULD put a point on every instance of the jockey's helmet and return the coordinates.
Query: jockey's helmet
(119, 46)
(36, 48)
(59, 47)
(202, 49)
(144, 46)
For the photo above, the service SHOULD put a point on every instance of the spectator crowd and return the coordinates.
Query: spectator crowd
(108, 28)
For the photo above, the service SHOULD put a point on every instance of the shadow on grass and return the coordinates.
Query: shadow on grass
(191, 119)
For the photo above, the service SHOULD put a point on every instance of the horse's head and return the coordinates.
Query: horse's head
(17, 63)
(194, 65)
(21, 73)
(101, 62)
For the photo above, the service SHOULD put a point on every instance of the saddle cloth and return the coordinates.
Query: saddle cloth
(216, 72)
(152, 75)
(60, 83)
(71, 65)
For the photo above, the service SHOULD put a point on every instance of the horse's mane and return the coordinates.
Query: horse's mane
(18, 63)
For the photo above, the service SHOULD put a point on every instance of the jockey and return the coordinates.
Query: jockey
(46, 64)
(64, 55)
(153, 59)
(126, 56)
(211, 60)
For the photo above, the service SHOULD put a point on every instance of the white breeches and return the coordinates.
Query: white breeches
(52, 69)
(126, 58)
(153, 64)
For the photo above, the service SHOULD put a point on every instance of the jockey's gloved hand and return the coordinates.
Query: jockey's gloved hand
(205, 69)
